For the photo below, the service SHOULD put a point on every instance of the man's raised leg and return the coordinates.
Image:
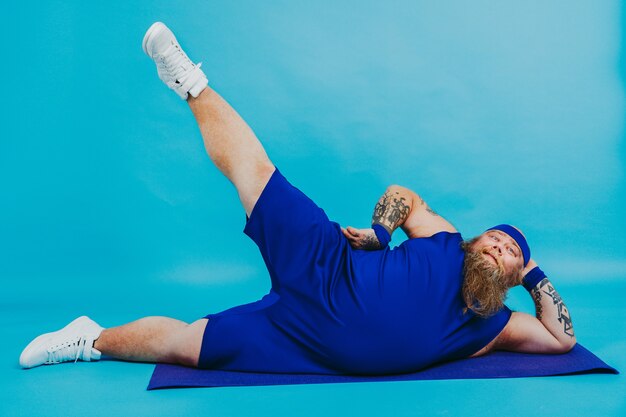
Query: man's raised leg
(229, 141)
(232, 146)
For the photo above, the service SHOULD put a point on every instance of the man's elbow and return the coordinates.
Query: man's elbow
(567, 346)
(403, 192)
(397, 188)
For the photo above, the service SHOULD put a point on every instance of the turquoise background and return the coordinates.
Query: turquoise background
(493, 111)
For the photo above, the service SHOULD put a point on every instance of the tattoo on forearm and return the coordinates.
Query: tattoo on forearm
(371, 242)
(562, 311)
(537, 298)
(391, 210)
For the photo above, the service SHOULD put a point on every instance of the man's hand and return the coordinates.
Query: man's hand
(531, 264)
(361, 238)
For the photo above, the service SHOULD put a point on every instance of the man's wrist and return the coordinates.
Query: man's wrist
(532, 278)
(382, 235)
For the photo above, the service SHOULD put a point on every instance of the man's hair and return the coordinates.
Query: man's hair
(485, 285)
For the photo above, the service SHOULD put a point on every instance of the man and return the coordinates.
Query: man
(341, 300)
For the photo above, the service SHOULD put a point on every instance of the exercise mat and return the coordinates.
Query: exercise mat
(494, 365)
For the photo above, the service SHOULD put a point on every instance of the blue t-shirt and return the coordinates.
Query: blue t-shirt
(333, 309)
(409, 298)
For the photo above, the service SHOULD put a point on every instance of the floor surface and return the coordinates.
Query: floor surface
(110, 387)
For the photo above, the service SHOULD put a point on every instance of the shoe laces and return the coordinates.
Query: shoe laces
(65, 351)
(172, 61)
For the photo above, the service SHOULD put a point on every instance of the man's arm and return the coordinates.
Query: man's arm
(550, 331)
(399, 207)
(394, 207)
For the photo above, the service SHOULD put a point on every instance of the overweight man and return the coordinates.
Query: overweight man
(341, 301)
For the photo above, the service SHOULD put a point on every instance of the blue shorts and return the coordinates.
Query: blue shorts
(288, 330)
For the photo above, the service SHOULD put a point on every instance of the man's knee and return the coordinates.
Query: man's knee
(187, 343)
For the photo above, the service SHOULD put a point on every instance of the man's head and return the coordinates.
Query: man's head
(493, 263)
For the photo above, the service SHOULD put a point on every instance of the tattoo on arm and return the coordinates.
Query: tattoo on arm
(428, 209)
(537, 298)
(431, 211)
(381, 206)
(371, 242)
(562, 310)
(391, 211)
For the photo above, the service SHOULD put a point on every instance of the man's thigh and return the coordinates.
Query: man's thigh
(299, 244)
(250, 184)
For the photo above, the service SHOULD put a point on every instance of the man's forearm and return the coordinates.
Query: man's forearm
(393, 208)
(552, 312)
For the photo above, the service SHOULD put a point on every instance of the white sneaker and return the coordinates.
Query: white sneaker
(71, 343)
(173, 65)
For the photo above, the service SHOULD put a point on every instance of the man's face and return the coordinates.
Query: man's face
(498, 248)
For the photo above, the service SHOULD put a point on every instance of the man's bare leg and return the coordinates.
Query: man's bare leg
(232, 146)
(239, 155)
(154, 339)
(229, 141)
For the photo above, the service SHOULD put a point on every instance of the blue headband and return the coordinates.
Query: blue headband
(517, 236)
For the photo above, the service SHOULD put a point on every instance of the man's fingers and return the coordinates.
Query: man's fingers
(348, 236)
(354, 243)
(353, 235)
(353, 231)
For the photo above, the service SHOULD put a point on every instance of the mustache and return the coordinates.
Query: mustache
(498, 259)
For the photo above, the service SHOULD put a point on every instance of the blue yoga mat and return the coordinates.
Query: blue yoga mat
(494, 365)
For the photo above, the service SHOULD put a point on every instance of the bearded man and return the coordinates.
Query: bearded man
(341, 301)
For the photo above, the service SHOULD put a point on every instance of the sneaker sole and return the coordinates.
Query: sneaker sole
(152, 31)
(39, 340)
